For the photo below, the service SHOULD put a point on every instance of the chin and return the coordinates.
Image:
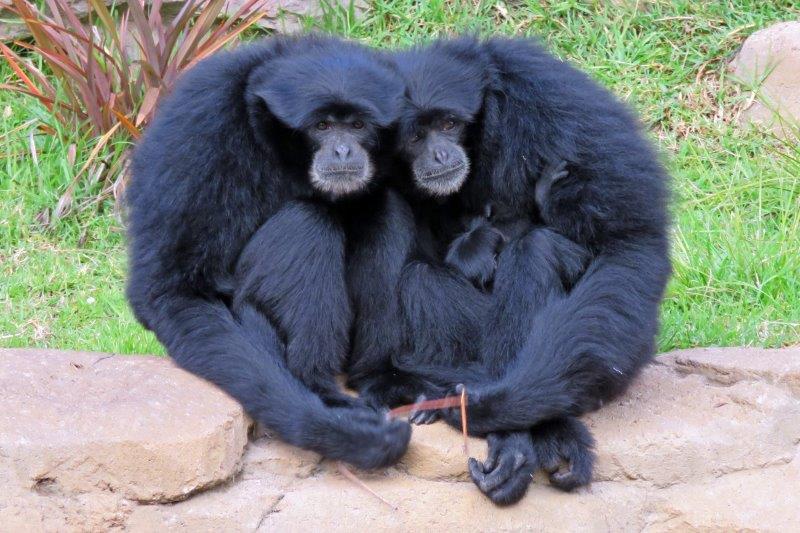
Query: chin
(341, 184)
(442, 183)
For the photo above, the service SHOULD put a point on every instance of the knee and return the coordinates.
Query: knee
(417, 280)
(543, 248)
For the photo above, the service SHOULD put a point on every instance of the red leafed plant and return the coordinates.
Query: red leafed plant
(111, 70)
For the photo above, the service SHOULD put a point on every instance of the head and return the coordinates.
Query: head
(339, 97)
(445, 83)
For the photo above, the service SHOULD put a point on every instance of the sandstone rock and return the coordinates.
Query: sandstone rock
(436, 453)
(751, 500)
(334, 504)
(706, 440)
(271, 456)
(770, 61)
(731, 365)
(671, 428)
(242, 506)
(31, 512)
(76, 423)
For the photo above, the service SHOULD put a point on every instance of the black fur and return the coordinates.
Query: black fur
(585, 346)
(292, 270)
(474, 252)
(573, 311)
(224, 162)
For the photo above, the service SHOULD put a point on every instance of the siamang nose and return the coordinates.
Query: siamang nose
(441, 155)
(342, 152)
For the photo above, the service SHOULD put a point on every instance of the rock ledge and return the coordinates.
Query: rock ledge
(705, 440)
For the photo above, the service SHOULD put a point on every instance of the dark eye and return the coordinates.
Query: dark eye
(448, 124)
(322, 125)
(415, 137)
(358, 124)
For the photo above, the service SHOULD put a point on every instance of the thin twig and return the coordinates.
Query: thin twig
(427, 405)
(464, 418)
(352, 477)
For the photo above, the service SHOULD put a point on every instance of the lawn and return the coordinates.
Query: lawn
(737, 190)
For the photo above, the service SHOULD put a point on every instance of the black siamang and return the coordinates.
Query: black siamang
(252, 147)
(573, 310)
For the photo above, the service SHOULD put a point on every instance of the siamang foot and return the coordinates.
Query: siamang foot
(423, 417)
(508, 470)
(564, 449)
(361, 437)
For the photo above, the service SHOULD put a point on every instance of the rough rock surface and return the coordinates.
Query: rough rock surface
(74, 423)
(706, 439)
(732, 365)
(769, 61)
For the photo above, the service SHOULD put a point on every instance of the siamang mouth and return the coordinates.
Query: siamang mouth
(341, 180)
(442, 174)
(341, 173)
(443, 181)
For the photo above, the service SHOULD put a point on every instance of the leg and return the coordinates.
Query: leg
(400, 308)
(548, 262)
(380, 241)
(292, 270)
(531, 270)
(584, 347)
(443, 313)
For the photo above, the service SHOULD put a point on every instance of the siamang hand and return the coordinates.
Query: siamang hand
(474, 252)
(508, 470)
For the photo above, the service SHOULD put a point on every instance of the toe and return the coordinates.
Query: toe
(476, 470)
(499, 475)
(514, 489)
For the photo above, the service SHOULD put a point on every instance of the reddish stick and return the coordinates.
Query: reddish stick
(441, 403)
(427, 405)
(352, 477)
(464, 418)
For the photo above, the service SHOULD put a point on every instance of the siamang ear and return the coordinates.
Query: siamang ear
(282, 99)
(295, 92)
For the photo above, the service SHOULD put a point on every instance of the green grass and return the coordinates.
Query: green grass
(737, 191)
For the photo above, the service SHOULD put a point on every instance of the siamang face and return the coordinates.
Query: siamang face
(433, 145)
(341, 162)
(342, 98)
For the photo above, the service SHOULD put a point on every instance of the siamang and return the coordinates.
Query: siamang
(535, 113)
(260, 146)
(573, 310)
